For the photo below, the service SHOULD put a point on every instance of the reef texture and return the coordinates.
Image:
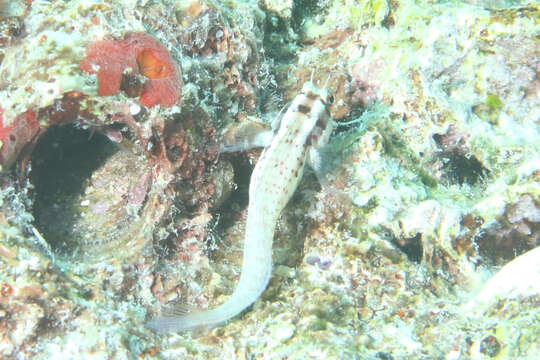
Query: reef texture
(115, 200)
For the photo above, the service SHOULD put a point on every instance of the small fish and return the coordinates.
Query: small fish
(304, 128)
(247, 135)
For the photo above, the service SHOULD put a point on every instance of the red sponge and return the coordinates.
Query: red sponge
(16, 135)
(144, 55)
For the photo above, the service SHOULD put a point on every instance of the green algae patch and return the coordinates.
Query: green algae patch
(493, 102)
(368, 12)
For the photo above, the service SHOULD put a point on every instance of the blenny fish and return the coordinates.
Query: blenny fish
(305, 127)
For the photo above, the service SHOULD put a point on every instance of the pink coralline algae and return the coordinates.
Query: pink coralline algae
(366, 80)
(15, 136)
(145, 56)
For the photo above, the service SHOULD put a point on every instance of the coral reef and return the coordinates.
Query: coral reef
(115, 199)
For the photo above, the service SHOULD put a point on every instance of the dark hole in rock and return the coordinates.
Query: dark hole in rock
(461, 169)
(242, 176)
(131, 84)
(490, 346)
(459, 166)
(302, 10)
(412, 247)
(381, 355)
(63, 162)
(239, 198)
(277, 38)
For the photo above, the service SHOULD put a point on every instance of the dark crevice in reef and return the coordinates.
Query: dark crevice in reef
(62, 163)
(302, 10)
(412, 247)
(282, 35)
(277, 41)
(460, 167)
(239, 198)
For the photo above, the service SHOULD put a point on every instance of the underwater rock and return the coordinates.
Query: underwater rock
(10, 29)
(87, 207)
(515, 232)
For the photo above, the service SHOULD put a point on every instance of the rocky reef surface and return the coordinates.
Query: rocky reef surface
(116, 202)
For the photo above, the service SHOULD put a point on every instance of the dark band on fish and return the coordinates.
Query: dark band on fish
(303, 109)
(322, 122)
(312, 96)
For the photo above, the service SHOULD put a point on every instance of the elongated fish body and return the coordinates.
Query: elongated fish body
(305, 126)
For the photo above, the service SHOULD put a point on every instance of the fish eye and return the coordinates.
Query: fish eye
(331, 99)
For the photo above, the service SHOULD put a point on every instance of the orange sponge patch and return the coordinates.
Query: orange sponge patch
(142, 54)
(150, 66)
